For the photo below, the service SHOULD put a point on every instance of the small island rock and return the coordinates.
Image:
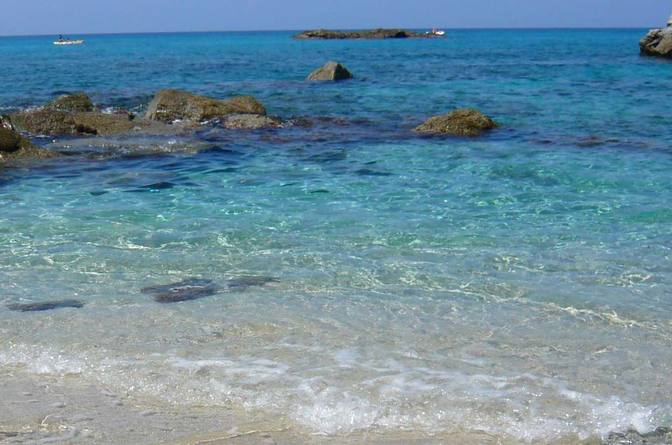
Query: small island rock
(462, 122)
(331, 71)
(380, 33)
(658, 43)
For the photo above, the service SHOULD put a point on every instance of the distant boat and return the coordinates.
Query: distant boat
(436, 32)
(62, 41)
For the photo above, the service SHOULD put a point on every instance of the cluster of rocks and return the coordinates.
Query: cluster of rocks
(188, 289)
(172, 111)
(380, 33)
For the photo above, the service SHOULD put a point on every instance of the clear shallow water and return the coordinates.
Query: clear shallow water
(517, 284)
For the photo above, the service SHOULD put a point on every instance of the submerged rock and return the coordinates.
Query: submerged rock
(661, 436)
(76, 102)
(171, 105)
(185, 290)
(380, 33)
(330, 71)
(242, 283)
(462, 122)
(45, 306)
(658, 43)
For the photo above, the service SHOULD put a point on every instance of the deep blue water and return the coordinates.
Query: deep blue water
(425, 284)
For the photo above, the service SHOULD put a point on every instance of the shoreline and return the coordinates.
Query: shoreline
(48, 409)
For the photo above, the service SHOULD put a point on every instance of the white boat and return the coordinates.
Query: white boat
(68, 42)
(436, 32)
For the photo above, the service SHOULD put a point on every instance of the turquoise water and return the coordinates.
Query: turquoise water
(519, 283)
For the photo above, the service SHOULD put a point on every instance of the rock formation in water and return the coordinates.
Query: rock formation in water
(462, 122)
(658, 42)
(331, 71)
(250, 122)
(74, 114)
(380, 33)
(71, 103)
(176, 105)
(15, 148)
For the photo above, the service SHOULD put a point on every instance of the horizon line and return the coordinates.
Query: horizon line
(520, 28)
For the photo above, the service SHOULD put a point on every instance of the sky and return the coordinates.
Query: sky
(28, 17)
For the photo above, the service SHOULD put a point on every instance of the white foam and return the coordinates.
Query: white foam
(349, 393)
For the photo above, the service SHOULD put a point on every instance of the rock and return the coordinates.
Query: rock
(185, 290)
(45, 306)
(661, 436)
(77, 102)
(50, 122)
(330, 71)
(242, 283)
(250, 122)
(380, 33)
(171, 105)
(10, 141)
(462, 122)
(658, 43)
(14, 147)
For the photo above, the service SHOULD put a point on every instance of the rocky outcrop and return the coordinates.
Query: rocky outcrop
(658, 43)
(176, 105)
(250, 122)
(49, 122)
(15, 148)
(71, 103)
(462, 122)
(380, 33)
(331, 71)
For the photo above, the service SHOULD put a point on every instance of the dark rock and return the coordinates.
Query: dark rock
(171, 105)
(380, 33)
(658, 43)
(16, 148)
(45, 306)
(185, 290)
(10, 141)
(463, 122)
(71, 103)
(330, 71)
(250, 122)
(164, 185)
(369, 172)
(59, 123)
(661, 436)
(242, 283)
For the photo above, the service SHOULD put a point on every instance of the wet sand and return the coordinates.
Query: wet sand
(67, 410)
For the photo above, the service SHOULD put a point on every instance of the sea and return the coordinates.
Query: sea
(369, 280)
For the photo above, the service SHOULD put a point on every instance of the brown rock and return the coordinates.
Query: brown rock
(462, 122)
(250, 122)
(331, 71)
(77, 102)
(172, 105)
(658, 43)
